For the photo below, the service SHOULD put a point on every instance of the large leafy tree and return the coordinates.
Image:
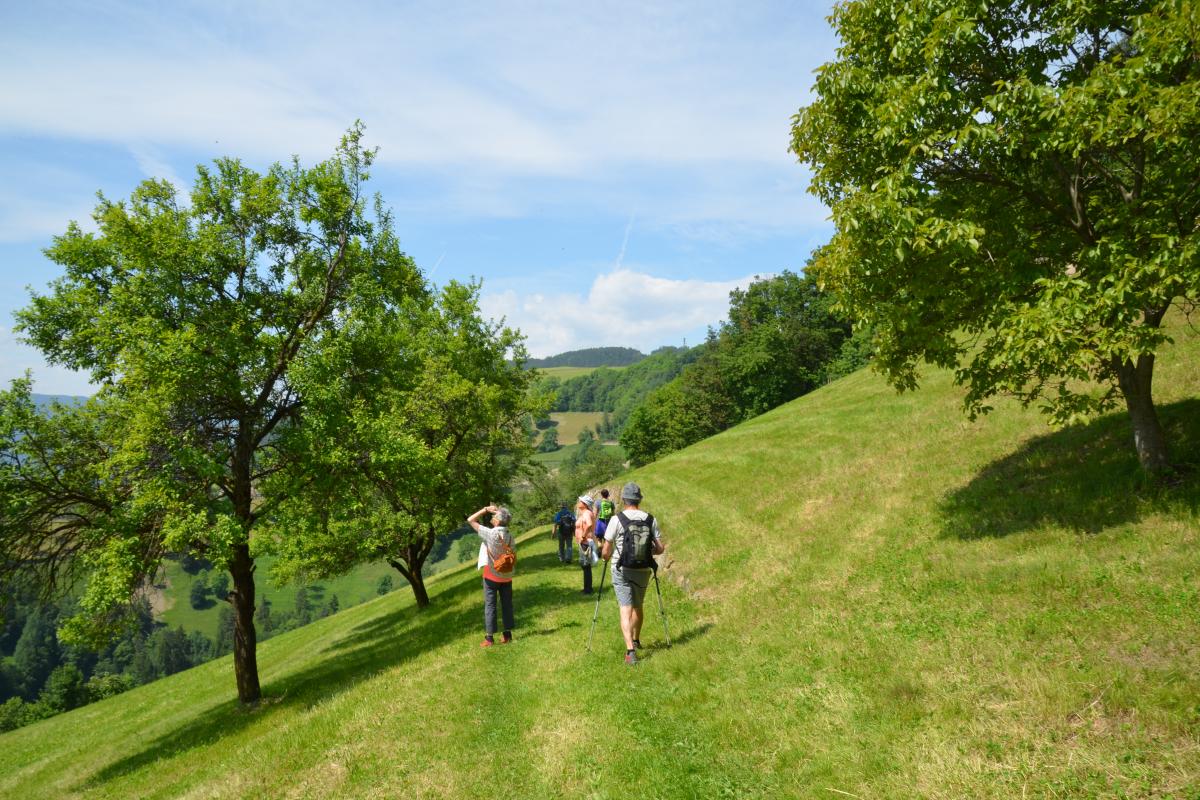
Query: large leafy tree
(192, 317)
(1015, 192)
(404, 450)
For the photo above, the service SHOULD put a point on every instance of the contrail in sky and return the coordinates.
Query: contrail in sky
(625, 241)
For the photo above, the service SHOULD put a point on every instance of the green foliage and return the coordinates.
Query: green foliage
(198, 595)
(620, 391)
(590, 357)
(385, 585)
(192, 318)
(406, 449)
(219, 584)
(1013, 188)
(50, 677)
(224, 641)
(65, 689)
(549, 441)
(777, 344)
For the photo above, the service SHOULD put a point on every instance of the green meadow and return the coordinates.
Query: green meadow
(566, 373)
(869, 596)
(351, 589)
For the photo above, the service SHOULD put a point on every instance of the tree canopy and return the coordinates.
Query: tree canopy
(401, 452)
(1015, 193)
(191, 317)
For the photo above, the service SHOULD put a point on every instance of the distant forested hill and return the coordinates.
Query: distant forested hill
(620, 391)
(44, 400)
(591, 357)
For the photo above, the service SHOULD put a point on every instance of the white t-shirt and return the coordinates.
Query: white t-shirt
(490, 549)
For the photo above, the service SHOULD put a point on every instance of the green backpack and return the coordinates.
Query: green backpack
(605, 510)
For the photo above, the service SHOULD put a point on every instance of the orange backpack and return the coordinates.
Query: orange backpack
(505, 561)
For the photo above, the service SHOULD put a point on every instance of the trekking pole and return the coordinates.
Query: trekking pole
(661, 611)
(596, 615)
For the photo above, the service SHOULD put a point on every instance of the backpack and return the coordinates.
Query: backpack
(566, 525)
(606, 510)
(504, 563)
(637, 539)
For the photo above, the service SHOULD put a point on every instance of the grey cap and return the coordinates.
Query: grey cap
(587, 500)
(631, 492)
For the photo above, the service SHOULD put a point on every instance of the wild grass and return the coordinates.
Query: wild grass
(869, 596)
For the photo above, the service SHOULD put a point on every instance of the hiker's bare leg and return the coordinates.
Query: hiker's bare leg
(627, 626)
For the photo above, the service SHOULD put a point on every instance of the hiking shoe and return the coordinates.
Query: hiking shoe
(631, 658)
(486, 643)
(637, 644)
(507, 638)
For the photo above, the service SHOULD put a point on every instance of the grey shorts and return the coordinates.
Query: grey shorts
(630, 585)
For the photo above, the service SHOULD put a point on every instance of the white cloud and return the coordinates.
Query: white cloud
(523, 88)
(16, 357)
(622, 308)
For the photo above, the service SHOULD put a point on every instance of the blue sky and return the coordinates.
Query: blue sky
(625, 159)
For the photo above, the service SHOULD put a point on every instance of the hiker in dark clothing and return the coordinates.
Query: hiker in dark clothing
(564, 530)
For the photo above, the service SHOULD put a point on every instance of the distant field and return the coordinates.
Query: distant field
(564, 373)
(561, 455)
(570, 423)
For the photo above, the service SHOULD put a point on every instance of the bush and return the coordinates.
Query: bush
(100, 687)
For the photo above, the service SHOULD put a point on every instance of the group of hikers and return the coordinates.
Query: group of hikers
(631, 536)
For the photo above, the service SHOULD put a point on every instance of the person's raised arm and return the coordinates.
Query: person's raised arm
(473, 520)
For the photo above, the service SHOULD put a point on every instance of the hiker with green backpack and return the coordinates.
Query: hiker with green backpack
(634, 538)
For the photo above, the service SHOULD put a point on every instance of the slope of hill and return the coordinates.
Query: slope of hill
(590, 357)
(869, 596)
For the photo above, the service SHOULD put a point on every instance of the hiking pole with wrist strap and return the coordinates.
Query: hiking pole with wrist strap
(596, 615)
(661, 610)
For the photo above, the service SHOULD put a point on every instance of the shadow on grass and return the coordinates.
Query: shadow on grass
(365, 650)
(676, 641)
(1085, 479)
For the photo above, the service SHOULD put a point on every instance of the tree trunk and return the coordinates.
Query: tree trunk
(415, 579)
(1135, 382)
(245, 639)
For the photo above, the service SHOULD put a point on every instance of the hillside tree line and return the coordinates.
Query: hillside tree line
(782, 339)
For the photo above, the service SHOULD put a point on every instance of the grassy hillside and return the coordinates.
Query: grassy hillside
(351, 589)
(870, 597)
(566, 373)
